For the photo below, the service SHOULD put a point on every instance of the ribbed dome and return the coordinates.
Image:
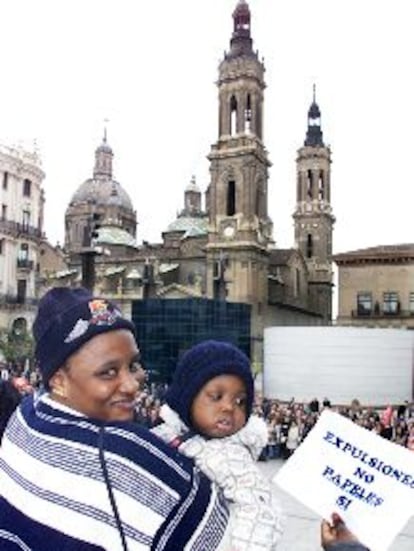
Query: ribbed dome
(112, 235)
(102, 192)
(192, 186)
(104, 147)
(191, 226)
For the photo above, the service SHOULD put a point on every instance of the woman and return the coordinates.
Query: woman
(75, 472)
(293, 437)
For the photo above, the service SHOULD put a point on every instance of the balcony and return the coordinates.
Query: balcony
(24, 264)
(359, 313)
(16, 229)
(14, 302)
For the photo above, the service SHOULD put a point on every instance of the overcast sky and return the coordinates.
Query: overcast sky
(150, 66)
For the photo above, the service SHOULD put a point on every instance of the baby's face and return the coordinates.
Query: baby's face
(219, 408)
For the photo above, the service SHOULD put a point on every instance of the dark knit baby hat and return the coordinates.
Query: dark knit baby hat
(198, 365)
(68, 318)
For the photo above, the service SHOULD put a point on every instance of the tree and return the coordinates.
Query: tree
(16, 347)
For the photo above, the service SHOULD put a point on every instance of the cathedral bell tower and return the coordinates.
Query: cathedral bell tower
(240, 229)
(239, 226)
(313, 216)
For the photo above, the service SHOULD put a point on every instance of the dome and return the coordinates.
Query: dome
(112, 235)
(191, 226)
(192, 186)
(104, 148)
(102, 192)
(242, 8)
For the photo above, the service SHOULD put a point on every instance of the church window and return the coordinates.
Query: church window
(219, 282)
(248, 115)
(309, 246)
(258, 205)
(259, 120)
(298, 186)
(411, 302)
(4, 212)
(231, 198)
(321, 186)
(391, 303)
(216, 269)
(309, 182)
(5, 180)
(86, 235)
(297, 283)
(364, 303)
(27, 185)
(233, 116)
(1, 246)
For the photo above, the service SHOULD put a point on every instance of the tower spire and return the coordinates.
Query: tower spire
(105, 137)
(103, 158)
(241, 41)
(314, 136)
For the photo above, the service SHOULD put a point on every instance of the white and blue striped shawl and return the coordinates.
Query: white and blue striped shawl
(53, 494)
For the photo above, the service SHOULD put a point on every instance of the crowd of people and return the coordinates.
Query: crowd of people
(288, 422)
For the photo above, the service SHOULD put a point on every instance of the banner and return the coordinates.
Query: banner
(341, 467)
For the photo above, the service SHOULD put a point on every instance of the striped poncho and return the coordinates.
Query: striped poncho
(53, 494)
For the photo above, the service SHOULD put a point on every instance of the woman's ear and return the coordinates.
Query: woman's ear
(57, 384)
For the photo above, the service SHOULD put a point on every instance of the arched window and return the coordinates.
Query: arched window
(233, 116)
(258, 110)
(309, 246)
(309, 184)
(231, 198)
(19, 327)
(321, 186)
(248, 115)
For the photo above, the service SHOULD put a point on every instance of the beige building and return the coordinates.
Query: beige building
(376, 286)
(21, 222)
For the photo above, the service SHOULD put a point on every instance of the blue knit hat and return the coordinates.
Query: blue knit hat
(66, 320)
(198, 365)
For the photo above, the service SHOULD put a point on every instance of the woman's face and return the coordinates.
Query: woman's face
(102, 379)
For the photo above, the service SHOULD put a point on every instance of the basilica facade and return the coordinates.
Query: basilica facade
(221, 247)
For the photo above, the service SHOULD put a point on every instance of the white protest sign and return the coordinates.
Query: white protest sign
(343, 468)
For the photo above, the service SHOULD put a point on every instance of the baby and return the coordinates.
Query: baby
(207, 416)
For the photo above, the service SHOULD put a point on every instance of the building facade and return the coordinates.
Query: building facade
(21, 235)
(376, 287)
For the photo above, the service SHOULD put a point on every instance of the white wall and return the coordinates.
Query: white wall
(341, 363)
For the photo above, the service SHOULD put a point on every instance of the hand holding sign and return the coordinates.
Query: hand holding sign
(336, 532)
(346, 469)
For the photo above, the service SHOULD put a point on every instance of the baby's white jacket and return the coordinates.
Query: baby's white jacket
(256, 519)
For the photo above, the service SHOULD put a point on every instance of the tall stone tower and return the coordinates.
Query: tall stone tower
(313, 215)
(240, 229)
